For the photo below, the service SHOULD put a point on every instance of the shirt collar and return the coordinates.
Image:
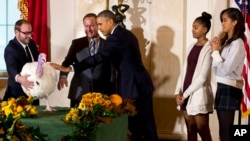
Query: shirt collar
(23, 45)
(113, 29)
(95, 39)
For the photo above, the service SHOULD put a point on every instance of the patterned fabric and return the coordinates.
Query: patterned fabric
(92, 47)
(227, 97)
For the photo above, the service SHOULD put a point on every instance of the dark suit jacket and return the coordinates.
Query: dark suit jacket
(100, 78)
(123, 49)
(15, 59)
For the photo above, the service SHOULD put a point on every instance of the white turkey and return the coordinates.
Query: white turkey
(44, 77)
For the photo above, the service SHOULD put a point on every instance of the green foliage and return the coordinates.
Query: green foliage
(93, 110)
(87, 126)
(12, 129)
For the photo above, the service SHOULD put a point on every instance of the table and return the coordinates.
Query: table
(51, 123)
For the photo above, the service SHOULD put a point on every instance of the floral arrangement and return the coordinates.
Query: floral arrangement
(93, 109)
(19, 107)
(11, 127)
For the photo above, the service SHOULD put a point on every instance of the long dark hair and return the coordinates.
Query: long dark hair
(235, 15)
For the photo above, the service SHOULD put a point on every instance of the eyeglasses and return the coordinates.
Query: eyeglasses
(26, 33)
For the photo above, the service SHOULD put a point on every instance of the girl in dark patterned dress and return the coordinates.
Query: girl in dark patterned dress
(193, 91)
(228, 56)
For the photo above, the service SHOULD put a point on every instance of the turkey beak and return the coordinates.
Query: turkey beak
(44, 59)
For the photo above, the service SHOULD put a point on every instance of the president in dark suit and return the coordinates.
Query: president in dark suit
(16, 57)
(100, 78)
(134, 81)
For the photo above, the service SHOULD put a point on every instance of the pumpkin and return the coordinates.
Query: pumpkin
(116, 99)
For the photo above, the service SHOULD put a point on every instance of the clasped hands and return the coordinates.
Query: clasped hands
(179, 99)
(216, 44)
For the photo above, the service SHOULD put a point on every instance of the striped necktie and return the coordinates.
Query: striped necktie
(92, 47)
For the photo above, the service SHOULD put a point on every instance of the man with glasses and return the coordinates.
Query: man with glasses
(18, 52)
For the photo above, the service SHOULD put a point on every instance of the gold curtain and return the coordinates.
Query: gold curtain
(23, 7)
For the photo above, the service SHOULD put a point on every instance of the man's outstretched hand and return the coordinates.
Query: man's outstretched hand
(60, 67)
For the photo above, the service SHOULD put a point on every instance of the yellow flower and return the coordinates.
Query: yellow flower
(33, 111)
(87, 96)
(11, 100)
(19, 109)
(106, 103)
(8, 111)
(73, 111)
(96, 95)
(4, 103)
(75, 117)
(97, 100)
(68, 117)
(87, 101)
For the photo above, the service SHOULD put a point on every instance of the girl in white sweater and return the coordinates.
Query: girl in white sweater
(228, 58)
(193, 91)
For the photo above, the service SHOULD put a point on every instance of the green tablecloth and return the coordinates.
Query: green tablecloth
(51, 124)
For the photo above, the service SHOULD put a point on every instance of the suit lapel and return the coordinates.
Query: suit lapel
(82, 54)
(18, 47)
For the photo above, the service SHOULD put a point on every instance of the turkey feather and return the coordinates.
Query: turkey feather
(44, 77)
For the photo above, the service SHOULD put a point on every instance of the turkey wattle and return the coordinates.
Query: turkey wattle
(44, 77)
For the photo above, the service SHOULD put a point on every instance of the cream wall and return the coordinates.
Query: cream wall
(163, 28)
